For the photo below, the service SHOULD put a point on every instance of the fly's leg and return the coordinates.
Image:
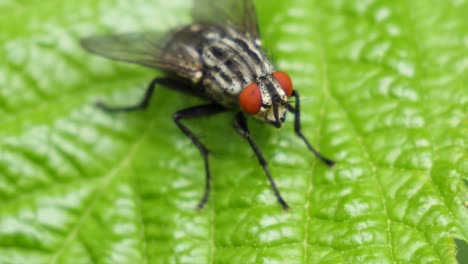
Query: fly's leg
(195, 112)
(241, 125)
(144, 102)
(297, 128)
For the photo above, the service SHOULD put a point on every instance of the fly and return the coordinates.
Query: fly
(218, 57)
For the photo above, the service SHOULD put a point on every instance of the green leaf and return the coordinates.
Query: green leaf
(384, 93)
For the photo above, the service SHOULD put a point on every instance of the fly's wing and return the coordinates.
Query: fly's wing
(150, 49)
(237, 13)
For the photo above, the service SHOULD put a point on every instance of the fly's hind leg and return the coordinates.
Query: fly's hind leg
(196, 112)
(144, 102)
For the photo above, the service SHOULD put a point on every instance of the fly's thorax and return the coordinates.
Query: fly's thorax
(231, 60)
(267, 97)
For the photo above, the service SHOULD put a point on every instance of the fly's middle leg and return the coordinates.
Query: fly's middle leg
(196, 112)
(240, 124)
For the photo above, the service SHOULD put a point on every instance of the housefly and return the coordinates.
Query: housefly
(218, 57)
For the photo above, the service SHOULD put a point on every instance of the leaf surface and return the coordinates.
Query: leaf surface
(384, 92)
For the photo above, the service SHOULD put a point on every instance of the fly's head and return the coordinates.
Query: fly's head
(267, 98)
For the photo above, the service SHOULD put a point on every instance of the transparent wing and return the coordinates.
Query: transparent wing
(150, 49)
(238, 13)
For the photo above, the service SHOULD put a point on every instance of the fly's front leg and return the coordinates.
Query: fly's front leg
(144, 102)
(195, 112)
(241, 125)
(297, 128)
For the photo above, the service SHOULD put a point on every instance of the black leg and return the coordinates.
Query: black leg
(297, 129)
(195, 112)
(168, 82)
(241, 125)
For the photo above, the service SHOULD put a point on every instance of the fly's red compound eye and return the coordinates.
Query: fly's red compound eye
(250, 99)
(285, 82)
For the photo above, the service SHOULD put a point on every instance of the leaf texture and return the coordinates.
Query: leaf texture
(384, 93)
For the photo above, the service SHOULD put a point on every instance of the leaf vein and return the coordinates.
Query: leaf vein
(105, 181)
